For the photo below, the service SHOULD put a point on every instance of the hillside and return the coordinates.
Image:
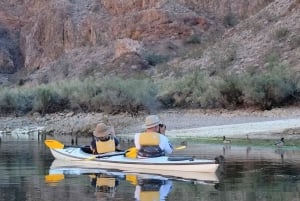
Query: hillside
(200, 54)
(42, 41)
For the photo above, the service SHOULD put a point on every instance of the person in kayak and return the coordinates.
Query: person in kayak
(151, 143)
(104, 139)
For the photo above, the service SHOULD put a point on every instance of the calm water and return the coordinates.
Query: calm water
(249, 173)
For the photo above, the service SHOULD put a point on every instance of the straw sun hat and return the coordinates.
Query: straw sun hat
(151, 121)
(102, 130)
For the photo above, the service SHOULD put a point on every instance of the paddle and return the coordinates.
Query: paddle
(118, 154)
(181, 147)
(54, 144)
(106, 155)
(54, 178)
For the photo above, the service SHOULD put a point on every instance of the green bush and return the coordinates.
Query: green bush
(230, 20)
(130, 95)
(154, 59)
(282, 33)
(271, 88)
(194, 39)
(15, 101)
(47, 100)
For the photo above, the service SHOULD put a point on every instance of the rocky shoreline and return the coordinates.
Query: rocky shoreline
(82, 124)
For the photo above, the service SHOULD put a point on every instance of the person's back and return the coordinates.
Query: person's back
(103, 140)
(150, 143)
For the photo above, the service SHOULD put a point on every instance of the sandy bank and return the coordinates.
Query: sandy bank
(288, 128)
(180, 123)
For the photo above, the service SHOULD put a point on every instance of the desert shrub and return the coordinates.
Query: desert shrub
(184, 91)
(270, 17)
(47, 100)
(154, 59)
(79, 93)
(231, 92)
(7, 101)
(194, 39)
(230, 20)
(15, 101)
(223, 57)
(271, 88)
(295, 42)
(281, 33)
(211, 96)
(130, 95)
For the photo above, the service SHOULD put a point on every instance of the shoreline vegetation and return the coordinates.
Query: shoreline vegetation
(275, 86)
(192, 100)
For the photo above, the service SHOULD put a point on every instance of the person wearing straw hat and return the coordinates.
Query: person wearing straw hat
(104, 139)
(150, 143)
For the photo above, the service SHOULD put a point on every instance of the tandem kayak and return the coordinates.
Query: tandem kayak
(116, 160)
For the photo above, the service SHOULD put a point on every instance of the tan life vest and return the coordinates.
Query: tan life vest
(149, 196)
(105, 146)
(149, 139)
(106, 181)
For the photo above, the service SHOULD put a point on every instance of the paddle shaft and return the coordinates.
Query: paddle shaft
(109, 155)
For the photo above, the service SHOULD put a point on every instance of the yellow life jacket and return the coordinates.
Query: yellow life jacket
(149, 139)
(105, 146)
(149, 196)
(106, 181)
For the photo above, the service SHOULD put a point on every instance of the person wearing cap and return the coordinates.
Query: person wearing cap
(150, 143)
(104, 139)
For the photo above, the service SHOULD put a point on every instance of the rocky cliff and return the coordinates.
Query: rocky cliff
(44, 40)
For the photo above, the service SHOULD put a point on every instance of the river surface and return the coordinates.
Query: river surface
(28, 173)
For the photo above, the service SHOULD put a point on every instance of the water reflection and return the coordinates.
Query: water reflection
(250, 173)
(106, 182)
(151, 189)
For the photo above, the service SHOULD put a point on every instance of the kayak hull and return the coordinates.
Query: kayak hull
(116, 160)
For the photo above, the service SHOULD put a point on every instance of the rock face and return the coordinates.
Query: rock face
(45, 34)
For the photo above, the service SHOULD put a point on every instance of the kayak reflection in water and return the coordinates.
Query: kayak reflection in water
(105, 185)
(150, 189)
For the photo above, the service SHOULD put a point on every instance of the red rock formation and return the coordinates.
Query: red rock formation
(45, 31)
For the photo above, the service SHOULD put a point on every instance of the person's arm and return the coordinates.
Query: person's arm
(136, 141)
(165, 145)
(165, 189)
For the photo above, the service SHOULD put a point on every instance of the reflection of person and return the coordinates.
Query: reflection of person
(150, 143)
(104, 183)
(106, 186)
(104, 139)
(152, 189)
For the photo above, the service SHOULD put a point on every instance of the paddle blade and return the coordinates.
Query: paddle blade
(54, 178)
(54, 144)
(181, 147)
